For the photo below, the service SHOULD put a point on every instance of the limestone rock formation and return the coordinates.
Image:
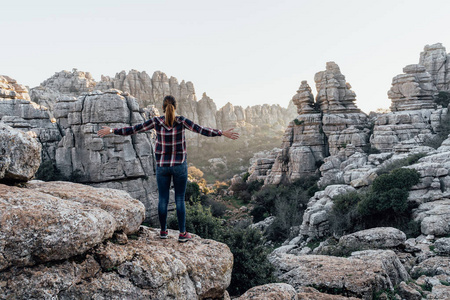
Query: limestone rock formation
(437, 63)
(62, 84)
(120, 162)
(20, 155)
(334, 94)
(304, 143)
(374, 238)
(326, 126)
(17, 111)
(402, 131)
(56, 240)
(355, 276)
(51, 223)
(413, 90)
(316, 216)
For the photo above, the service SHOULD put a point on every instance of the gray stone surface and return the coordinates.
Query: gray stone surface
(20, 155)
(119, 162)
(374, 238)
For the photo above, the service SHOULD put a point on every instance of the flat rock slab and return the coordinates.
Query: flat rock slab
(350, 277)
(128, 212)
(57, 220)
(374, 238)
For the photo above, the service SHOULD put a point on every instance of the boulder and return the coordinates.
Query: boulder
(271, 291)
(434, 217)
(442, 246)
(20, 155)
(310, 293)
(38, 227)
(356, 277)
(374, 238)
(128, 213)
(432, 266)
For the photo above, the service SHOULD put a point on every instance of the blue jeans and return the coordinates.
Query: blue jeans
(164, 176)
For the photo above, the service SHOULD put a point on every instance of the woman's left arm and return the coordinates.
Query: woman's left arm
(209, 131)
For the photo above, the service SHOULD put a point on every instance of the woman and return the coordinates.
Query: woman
(170, 158)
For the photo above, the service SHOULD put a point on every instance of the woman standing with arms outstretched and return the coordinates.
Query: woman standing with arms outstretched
(170, 158)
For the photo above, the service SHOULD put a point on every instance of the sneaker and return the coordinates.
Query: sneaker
(184, 237)
(163, 234)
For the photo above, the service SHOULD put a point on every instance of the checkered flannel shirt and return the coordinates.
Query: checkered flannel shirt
(171, 142)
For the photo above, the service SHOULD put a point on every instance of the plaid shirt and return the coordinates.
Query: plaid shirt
(170, 142)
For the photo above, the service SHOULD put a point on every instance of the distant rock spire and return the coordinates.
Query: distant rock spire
(334, 94)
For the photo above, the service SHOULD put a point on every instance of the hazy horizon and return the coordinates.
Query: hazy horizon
(243, 52)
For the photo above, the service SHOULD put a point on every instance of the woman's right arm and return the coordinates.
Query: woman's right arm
(147, 125)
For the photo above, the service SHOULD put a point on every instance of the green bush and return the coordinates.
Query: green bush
(442, 132)
(442, 98)
(251, 267)
(246, 176)
(199, 220)
(48, 172)
(384, 204)
(399, 163)
(286, 202)
(217, 208)
(193, 193)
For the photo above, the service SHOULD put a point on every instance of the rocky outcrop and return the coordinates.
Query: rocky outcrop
(374, 238)
(304, 143)
(325, 126)
(53, 221)
(68, 241)
(357, 276)
(119, 162)
(17, 111)
(413, 90)
(61, 85)
(316, 216)
(20, 155)
(437, 63)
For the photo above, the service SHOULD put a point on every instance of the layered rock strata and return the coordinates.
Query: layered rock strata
(436, 61)
(323, 127)
(413, 90)
(120, 162)
(17, 111)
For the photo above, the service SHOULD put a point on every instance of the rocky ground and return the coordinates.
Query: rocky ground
(71, 241)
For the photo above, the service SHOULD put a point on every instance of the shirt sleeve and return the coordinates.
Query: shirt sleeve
(147, 125)
(200, 129)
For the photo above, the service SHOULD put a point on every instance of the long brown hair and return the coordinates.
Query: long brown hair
(169, 106)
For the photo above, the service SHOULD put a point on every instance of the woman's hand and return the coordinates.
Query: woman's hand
(104, 131)
(230, 134)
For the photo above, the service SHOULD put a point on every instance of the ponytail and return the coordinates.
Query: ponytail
(169, 106)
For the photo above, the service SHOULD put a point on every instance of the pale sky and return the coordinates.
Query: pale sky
(243, 52)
